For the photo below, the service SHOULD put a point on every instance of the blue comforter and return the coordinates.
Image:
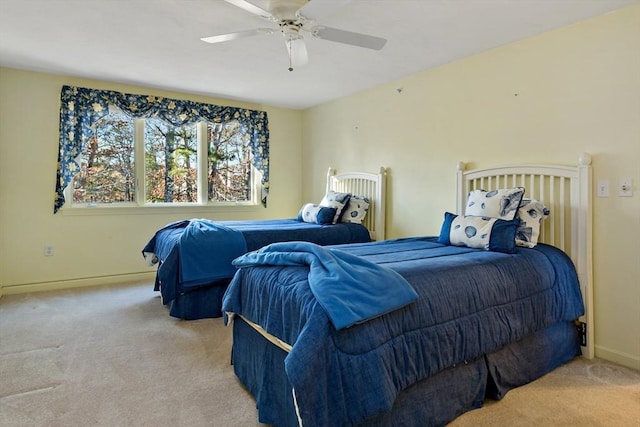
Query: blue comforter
(351, 289)
(199, 252)
(189, 250)
(470, 302)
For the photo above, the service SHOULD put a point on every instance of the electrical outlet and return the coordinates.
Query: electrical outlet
(625, 187)
(48, 250)
(603, 188)
(582, 333)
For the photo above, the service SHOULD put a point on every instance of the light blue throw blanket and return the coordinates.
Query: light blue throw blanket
(206, 247)
(351, 289)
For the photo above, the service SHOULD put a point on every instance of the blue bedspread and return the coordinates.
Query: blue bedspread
(198, 252)
(470, 302)
(203, 259)
(349, 288)
(189, 250)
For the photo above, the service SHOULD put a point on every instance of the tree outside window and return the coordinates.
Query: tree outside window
(229, 163)
(171, 162)
(107, 173)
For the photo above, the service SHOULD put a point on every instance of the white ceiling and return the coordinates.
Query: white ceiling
(156, 43)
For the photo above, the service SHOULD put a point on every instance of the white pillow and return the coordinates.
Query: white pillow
(316, 214)
(501, 204)
(490, 234)
(531, 213)
(356, 209)
(335, 200)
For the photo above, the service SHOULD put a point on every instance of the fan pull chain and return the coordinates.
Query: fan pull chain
(290, 63)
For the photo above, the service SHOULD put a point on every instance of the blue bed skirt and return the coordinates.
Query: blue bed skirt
(199, 303)
(434, 401)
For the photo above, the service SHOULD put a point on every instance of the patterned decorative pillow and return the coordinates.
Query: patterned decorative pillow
(491, 234)
(501, 204)
(356, 209)
(316, 214)
(531, 213)
(335, 200)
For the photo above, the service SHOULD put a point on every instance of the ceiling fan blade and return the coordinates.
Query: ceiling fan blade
(297, 50)
(318, 9)
(252, 8)
(237, 35)
(348, 37)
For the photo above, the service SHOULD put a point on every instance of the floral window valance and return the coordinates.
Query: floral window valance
(81, 108)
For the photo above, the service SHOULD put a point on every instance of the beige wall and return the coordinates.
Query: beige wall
(96, 248)
(544, 99)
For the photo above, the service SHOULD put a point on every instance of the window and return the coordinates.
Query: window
(170, 162)
(228, 164)
(108, 172)
(107, 163)
(134, 150)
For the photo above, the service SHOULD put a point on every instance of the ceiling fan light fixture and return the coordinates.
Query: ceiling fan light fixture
(296, 47)
(297, 50)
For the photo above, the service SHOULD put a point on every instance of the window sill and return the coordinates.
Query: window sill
(156, 210)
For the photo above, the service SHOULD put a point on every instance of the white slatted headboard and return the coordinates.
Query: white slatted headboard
(566, 191)
(372, 186)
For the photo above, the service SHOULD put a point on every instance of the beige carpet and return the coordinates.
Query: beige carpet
(112, 356)
(580, 393)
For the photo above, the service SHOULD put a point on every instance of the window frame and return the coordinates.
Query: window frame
(142, 206)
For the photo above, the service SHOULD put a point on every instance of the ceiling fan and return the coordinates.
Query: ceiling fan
(294, 17)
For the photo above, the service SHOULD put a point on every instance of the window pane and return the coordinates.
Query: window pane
(229, 163)
(171, 162)
(107, 162)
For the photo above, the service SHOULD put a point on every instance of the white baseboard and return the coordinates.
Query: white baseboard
(78, 283)
(624, 359)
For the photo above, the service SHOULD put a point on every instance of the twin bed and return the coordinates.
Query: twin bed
(194, 256)
(447, 326)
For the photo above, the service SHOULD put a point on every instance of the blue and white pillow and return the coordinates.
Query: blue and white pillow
(502, 204)
(531, 213)
(316, 214)
(335, 200)
(491, 234)
(356, 209)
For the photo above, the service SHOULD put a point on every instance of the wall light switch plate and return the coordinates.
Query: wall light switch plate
(625, 187)
(603, 188)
